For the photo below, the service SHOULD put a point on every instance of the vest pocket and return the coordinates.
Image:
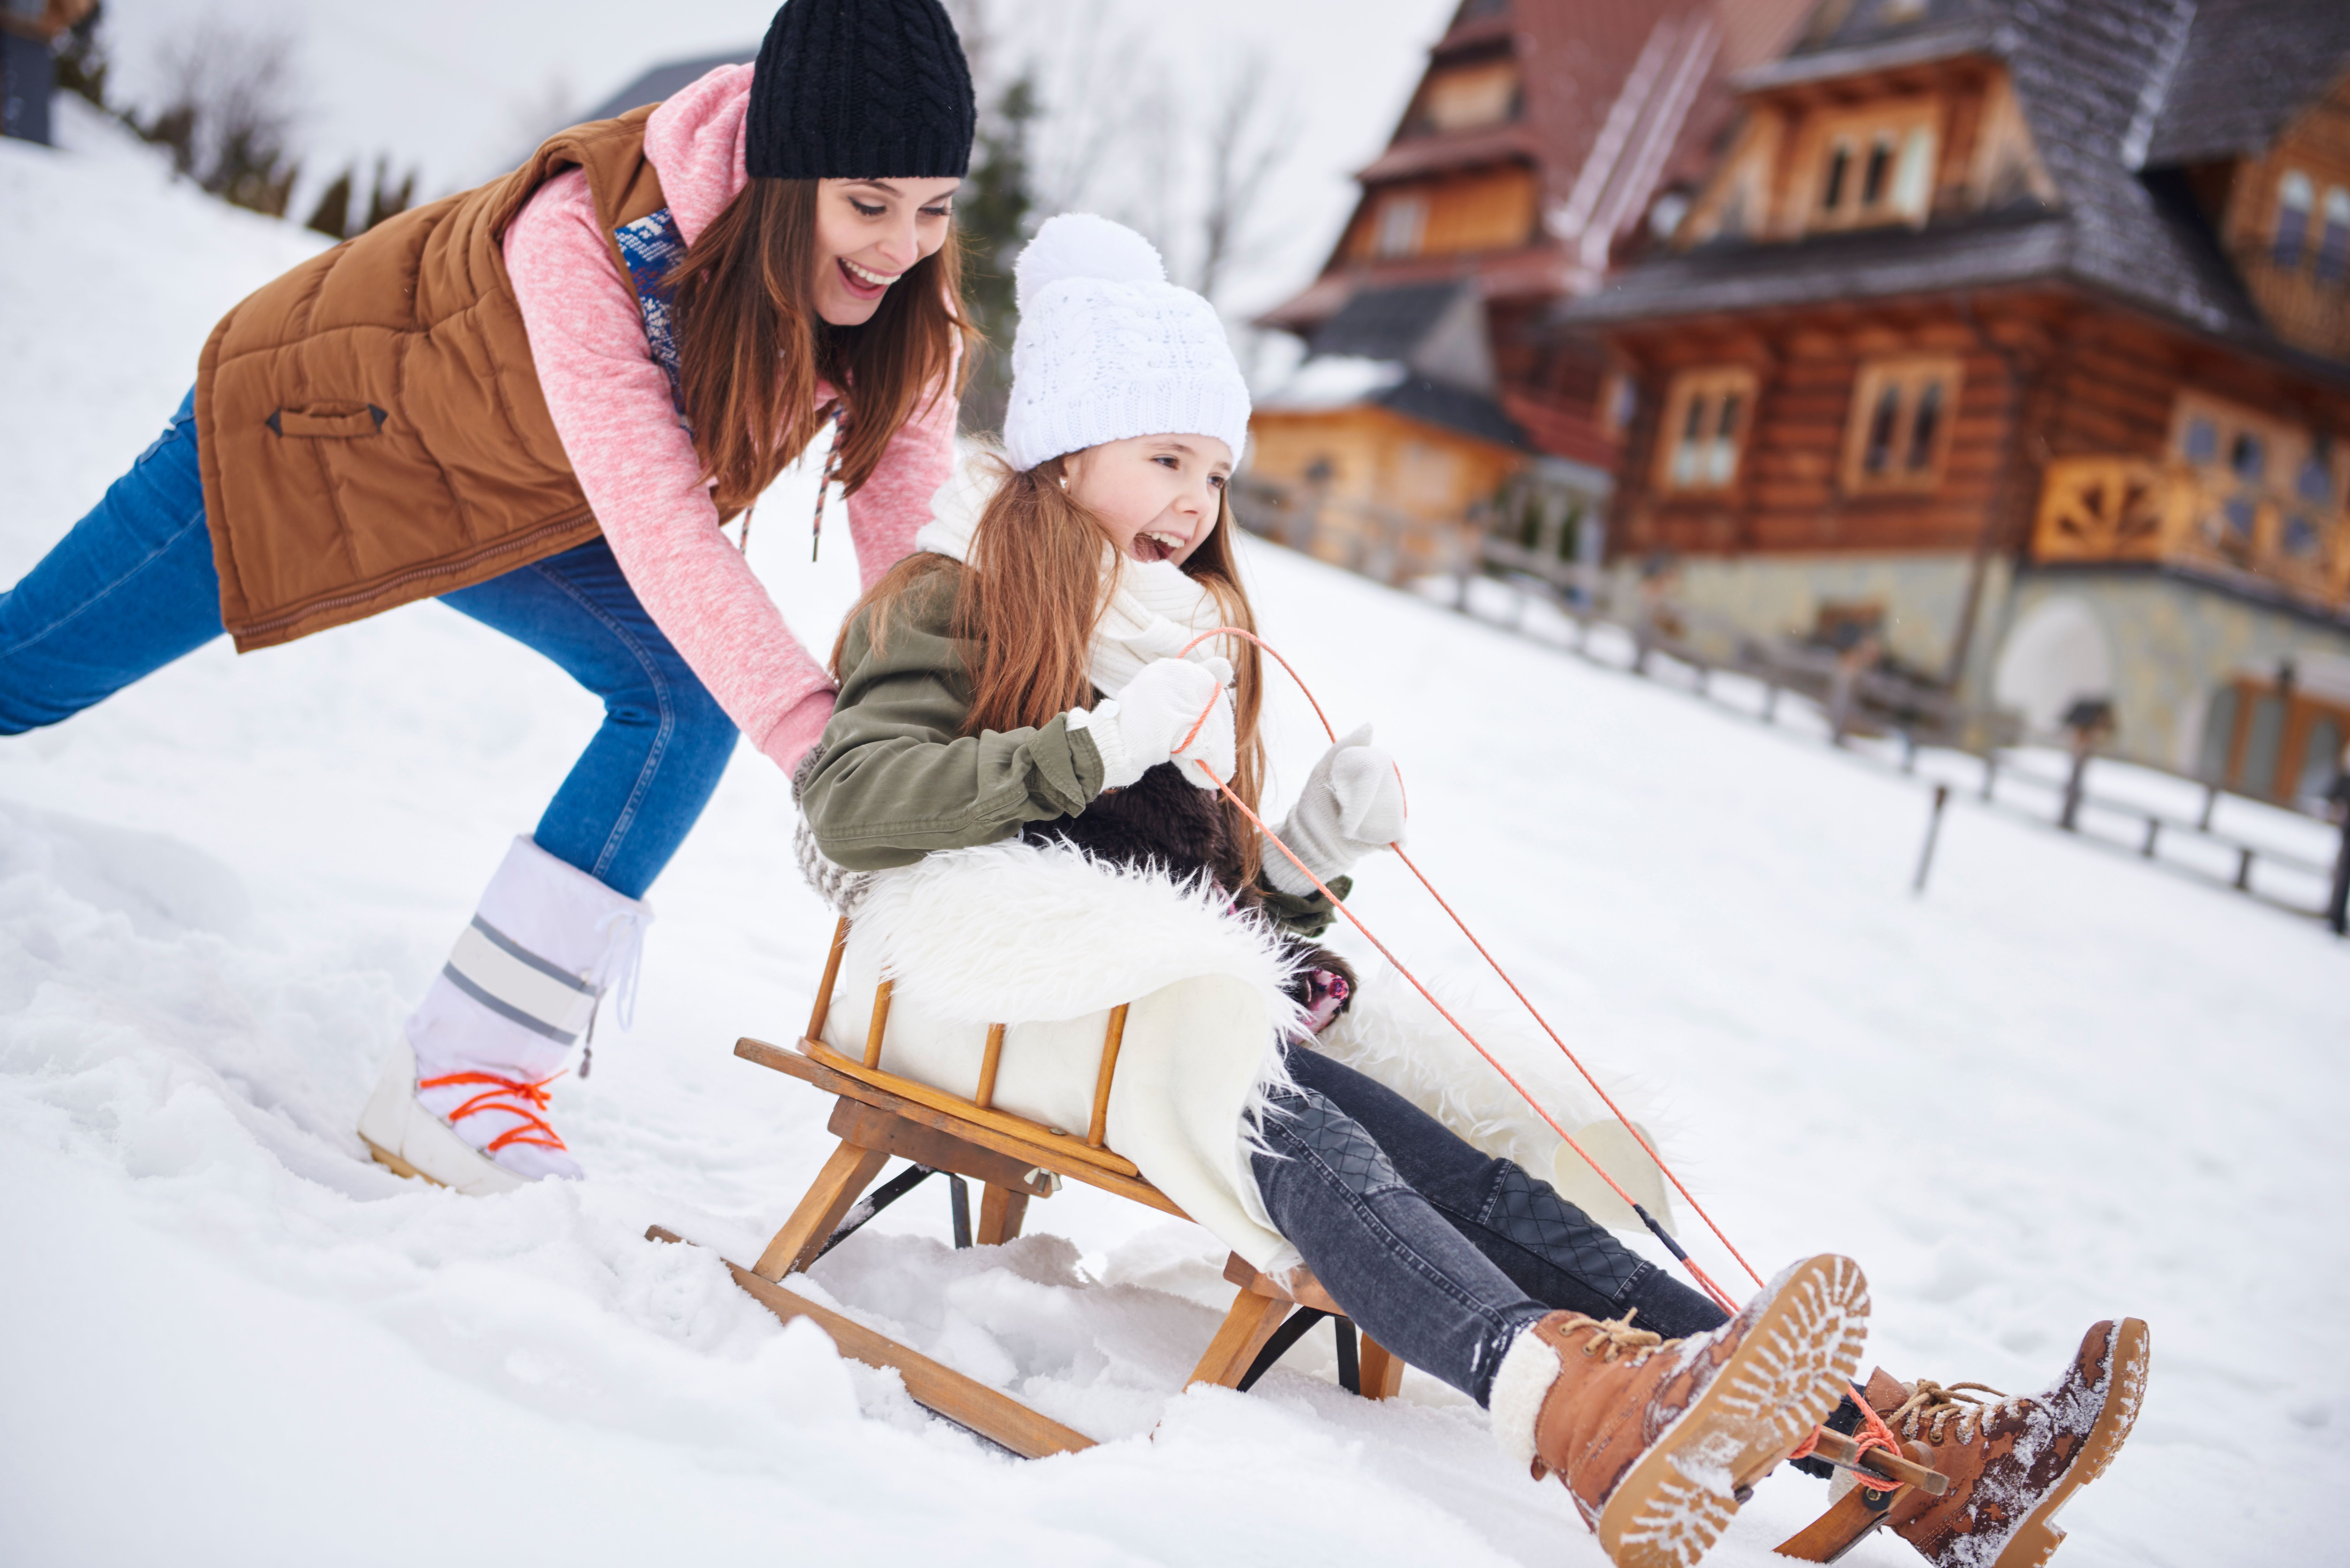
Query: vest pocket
(328, 422)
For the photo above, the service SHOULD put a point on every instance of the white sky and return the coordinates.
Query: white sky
(462, 87)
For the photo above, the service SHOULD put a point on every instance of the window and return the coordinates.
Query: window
(1469, 97)
(2333, 240)
(1899, 432)
(1875, 165)
(2294, 196)
(1403, 215)
(1706, 417)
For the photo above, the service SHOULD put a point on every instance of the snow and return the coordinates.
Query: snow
(2061, 1085)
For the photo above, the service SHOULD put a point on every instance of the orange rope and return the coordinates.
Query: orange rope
(1720, 1298)
(526, 1130)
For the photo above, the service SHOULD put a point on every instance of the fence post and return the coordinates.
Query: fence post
(1933, 832)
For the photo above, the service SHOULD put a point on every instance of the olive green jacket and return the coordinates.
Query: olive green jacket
(895, 777)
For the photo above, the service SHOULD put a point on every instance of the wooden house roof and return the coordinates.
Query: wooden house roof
(2249, 67)
(2094, 79)
(1620, 99)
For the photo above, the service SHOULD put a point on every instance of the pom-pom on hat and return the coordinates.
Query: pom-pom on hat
(1109, 348)
(860, 90)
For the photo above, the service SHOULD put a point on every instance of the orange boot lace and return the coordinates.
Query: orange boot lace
(530, 1128)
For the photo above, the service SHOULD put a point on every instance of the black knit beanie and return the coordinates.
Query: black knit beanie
(860, 90)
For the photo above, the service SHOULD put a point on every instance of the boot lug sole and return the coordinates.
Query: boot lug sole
(1796, 1360)
(2037, 1537)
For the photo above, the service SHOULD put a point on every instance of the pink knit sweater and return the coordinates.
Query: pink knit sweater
(611, 405)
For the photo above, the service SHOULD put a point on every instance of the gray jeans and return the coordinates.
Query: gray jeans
(1440, 1252)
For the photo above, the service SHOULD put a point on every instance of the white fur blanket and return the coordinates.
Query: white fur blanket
(1046, 941)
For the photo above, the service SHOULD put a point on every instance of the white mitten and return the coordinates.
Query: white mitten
(1146, 723)
(1352, 804)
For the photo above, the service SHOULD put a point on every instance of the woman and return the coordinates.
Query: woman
(538, 401)
(1027, 687)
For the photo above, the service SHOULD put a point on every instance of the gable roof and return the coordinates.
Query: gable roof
(2249, 65)
(662, 82)
(2094, 79)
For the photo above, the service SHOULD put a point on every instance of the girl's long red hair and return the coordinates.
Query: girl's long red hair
(1026, 605)
(751, 348)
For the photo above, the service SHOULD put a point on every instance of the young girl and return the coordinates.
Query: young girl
(538, 400)
(1010, 799)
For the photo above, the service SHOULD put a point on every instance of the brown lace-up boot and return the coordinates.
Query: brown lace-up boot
(2013, 1463)
(1658, 1441)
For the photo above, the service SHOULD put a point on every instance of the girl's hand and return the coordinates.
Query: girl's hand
(1148, 723)
(1352, 804)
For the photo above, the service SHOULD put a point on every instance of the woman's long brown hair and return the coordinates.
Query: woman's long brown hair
(1031, 596)
(751, 348)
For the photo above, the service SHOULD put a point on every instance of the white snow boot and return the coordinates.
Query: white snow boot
(462, 1099)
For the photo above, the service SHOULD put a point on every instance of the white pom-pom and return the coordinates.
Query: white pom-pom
(1079, 245)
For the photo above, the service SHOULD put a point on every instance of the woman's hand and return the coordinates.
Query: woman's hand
(1158, 718)
(1352, 804)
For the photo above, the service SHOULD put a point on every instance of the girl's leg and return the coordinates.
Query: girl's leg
(129, 590)
(642, 784)
(1552, 1250)
(1403, 1272)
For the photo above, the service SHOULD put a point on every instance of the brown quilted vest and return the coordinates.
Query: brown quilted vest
(370, 425)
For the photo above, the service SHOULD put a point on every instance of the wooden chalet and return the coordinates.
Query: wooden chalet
(2022, 331)
(1528, 161)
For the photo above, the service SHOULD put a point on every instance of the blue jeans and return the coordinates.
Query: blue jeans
(1440, 1251)
(132, 587)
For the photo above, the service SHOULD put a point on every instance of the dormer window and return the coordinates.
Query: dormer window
(2295, 195)
(1470, 97)
(1875, 165)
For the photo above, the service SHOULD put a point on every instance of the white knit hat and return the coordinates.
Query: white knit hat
(1109, 348)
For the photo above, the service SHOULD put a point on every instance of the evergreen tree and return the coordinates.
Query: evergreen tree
(992, 218)
(332, 216)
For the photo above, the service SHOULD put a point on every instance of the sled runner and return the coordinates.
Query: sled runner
(877, 1115)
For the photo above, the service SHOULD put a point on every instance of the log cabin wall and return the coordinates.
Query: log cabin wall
(1795, 488)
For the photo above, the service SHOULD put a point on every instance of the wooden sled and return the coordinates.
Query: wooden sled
(877, 1115)
(1854, 1516)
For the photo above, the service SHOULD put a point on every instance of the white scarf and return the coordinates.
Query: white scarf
(1152, 610)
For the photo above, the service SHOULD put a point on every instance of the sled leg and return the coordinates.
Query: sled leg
(1000, 1211)
(845, 1175)
(1244, 1330)
(995, 1415)
(1382, 1370)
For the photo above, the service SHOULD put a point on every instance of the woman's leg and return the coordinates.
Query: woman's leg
(558, 924)
(1552, 1250)
(1402, 1270)
(129, 590)
(642, 784)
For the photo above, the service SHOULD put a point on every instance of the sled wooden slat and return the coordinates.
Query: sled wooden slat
(879, 1026)
(1301, 1287)
(1381, 1369)
(1005, 1122)
(1839, 1450)
(831, 973)
(1001, 1211)
(1052, 1154)
(995, 1415)
(1846, 1524)
(1241, 1335)
(844, 1179)
(987, 1065)
(1099, 1129)
(864, 1126)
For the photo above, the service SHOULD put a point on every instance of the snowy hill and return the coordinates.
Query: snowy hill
(2059, 1087)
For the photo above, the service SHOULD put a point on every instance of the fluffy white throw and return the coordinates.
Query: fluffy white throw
(1149, 608)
